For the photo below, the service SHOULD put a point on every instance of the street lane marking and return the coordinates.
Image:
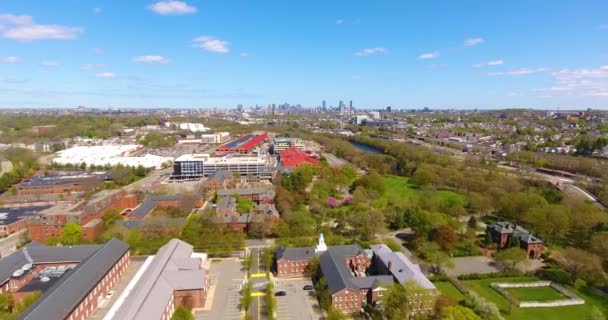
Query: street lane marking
(258, 275)
(257, 294)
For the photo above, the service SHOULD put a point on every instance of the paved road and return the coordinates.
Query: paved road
(146, 183)
(227, 278)
(258, 283)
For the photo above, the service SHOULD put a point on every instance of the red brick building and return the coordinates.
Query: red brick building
(14, 219)
(48, 223)
(506, 234)
(73, 280)
(176, 276)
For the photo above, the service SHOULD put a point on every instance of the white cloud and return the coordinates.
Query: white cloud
(518, 72)
(23, 28)
(430, 55)
(339, 21)
(49, 63)
(211, 44)
(152, 59)
(11, 59)
(91, 66)
(172, 8)
(473, 42)
(98, 51)
(369, 51)
(11, 19)
(584, 82)
(105, 75)
(489, 64)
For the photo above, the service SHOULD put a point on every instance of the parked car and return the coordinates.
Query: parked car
(308, 287)
(280, 294)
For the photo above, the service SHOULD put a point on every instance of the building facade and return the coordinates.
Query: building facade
(506, 234)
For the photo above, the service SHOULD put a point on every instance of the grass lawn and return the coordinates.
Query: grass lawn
(447, 288)
(482, 287)
(536, 294)
(403, 189)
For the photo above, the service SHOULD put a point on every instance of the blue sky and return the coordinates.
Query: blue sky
(195, 53)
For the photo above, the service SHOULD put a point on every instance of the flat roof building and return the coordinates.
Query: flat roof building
(196, 166)
(14, 219)
(73, 279)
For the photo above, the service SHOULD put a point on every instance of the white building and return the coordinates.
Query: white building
(109, 155)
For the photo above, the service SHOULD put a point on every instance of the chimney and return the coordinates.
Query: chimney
(390, 265)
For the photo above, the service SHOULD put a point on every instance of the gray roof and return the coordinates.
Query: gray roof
(172, 268)
(504, 227)
(340, 277)
(42, 254)
(402, 269)
(150, 203)
(227, 203)
(294, 254)
(62, 298)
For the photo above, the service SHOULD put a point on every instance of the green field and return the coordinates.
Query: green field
(482, 287)
(402, 189)
(536, 294)
(448, 289)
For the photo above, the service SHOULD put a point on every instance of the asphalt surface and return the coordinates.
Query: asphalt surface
(258, 283)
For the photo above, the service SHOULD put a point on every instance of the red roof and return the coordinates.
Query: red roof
(293, 157)
(253, 142)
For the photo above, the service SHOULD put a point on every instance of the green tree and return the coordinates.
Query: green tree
(511, 257)
(458, 313)
(271, 301)
(579, 263)
(433, 254)
(402, 301)
(246, 298)
(596, 314)
(6, 302)
(122, 175)
(322, 293)
(182, 313)
(110, 217)
(335, 314)
(243, 205)
(71, 234)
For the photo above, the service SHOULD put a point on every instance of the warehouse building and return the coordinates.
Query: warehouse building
(196, 166)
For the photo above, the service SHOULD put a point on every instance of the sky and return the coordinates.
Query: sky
(545, 54)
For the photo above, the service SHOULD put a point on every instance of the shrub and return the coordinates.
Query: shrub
(557, 275)
(480, 276)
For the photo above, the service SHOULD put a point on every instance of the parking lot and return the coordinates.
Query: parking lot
(223, 301)
(298, 304)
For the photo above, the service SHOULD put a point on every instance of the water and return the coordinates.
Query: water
(365, 148)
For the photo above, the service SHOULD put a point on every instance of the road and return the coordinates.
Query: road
(146, 183)
(258, 283)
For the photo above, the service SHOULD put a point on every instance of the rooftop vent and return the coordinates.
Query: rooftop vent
(45, 279)
(18, 273)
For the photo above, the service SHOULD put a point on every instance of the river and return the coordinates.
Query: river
(365, 148)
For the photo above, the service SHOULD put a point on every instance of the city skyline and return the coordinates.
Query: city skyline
(191, 54)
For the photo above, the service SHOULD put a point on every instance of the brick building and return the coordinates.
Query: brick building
(60, 184)
(73, 280)
(14, 219)
(176, 276)
(356, 277)
(48, 223)
(506, 233)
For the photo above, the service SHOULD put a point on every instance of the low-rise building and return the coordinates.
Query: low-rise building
(14, 219)
(294, 157)
(175, 277)
(164, 201)
(73, 279)
(61, 183)
(48, 223)
(506, 233)
(357, 277)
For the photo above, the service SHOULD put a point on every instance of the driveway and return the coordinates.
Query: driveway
(224, 297)
(298, 304)
(468, 265)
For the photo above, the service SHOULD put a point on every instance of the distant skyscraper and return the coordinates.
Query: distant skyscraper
(341, 105)
(388, 109)
(350, 105)
(323, 105)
